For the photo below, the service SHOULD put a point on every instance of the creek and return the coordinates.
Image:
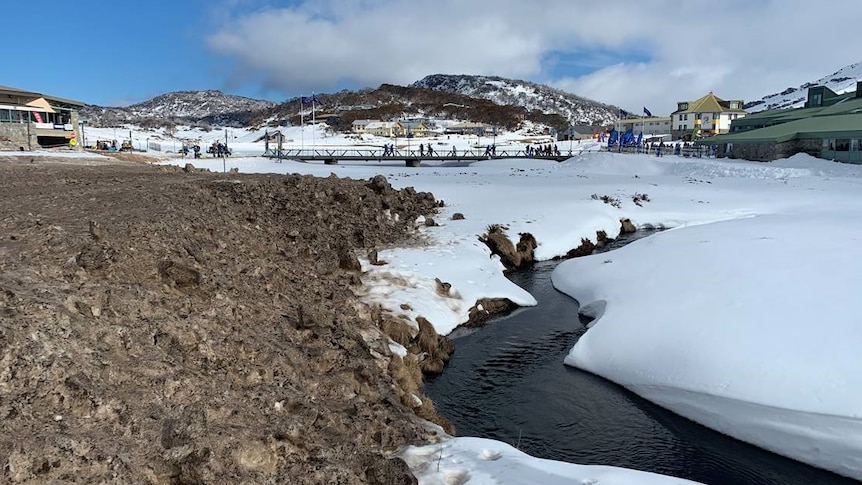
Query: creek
(506, 381)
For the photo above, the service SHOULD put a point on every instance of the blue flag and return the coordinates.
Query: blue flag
(306, 101)
(646, 112)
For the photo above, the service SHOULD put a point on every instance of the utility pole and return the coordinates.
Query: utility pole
(29, 143)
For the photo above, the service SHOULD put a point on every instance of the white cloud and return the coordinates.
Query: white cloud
(736, 48)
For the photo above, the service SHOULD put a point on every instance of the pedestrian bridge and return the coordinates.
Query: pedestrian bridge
(412, 158)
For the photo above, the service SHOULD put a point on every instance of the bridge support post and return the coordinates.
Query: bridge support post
(330, 161)
(412, 162)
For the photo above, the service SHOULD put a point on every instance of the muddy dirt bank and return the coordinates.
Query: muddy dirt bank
(171, 327)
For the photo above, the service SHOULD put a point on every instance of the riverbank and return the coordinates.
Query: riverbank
(170, 326)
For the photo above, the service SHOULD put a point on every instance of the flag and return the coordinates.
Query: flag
(314, 99)
(306, 100)
(646, 112)
(37, 116)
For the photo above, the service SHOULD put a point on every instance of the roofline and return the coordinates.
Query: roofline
(22, 92)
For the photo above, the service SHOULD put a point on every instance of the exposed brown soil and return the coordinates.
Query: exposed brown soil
(165, 327)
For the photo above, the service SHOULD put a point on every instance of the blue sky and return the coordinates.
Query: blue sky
(114, 52)
(120, 52)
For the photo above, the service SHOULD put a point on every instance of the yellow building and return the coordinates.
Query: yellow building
(710, 114)
(385, 128)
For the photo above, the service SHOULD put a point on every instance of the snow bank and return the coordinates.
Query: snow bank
(477, 461)
(749, 327)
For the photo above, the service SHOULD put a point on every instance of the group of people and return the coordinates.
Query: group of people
(195, 148)
(423, 151)
(543, 151)
(219, 149)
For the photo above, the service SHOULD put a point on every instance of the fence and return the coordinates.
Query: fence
(690, 151)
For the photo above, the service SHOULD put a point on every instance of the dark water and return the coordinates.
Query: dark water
(507, 381)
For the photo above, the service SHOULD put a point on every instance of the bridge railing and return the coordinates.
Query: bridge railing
(401, 154)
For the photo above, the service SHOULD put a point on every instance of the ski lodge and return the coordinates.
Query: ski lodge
(30, 120)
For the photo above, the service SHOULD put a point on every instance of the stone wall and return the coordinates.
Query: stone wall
(768, 151)
(13, 136)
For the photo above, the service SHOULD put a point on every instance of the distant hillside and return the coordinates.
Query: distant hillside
(840, 81)
(504, 103)
(391, 102)
(575, 109)
(213, 107)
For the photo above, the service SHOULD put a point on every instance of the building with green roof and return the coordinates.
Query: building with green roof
(828, 126)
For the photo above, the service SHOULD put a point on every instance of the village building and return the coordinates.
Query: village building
(415, 128)
(31, 120)
(360, 126)
(468, 128)
(650, 126)
(581, 132)
(706, 116)
(385, 128)
(829, 126)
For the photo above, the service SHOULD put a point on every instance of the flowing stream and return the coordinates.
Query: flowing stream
(507, 381)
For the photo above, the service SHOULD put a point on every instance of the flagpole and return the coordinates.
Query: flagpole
(313, 123)
(301, 125)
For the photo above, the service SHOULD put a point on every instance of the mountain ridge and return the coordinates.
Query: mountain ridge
(841, 81)
(490, 99)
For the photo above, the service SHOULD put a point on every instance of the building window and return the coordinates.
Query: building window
(685, 117)
(842, 145)
(5, 115)
(816, 99)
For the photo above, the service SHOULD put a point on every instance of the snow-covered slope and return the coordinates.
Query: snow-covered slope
(840, 81)
(523, 93)
(180, 105)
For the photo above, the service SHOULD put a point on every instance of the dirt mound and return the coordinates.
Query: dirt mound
(166, 327)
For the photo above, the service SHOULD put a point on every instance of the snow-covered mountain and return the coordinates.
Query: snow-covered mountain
(840, 81)
(183, 106)
(532, 96)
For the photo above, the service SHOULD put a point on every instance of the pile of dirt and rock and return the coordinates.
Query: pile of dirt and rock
(170, 327)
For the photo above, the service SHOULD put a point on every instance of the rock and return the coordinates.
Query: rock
(348, 261)
(372, 257)
(96, 231)
(442, 287)
(379, 185)
(392, 471)
(179, 274)
(429, 222)
(189, 168)
(627, 227)
(457, 216)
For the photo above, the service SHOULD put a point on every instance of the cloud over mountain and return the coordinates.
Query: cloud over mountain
(670, 51)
